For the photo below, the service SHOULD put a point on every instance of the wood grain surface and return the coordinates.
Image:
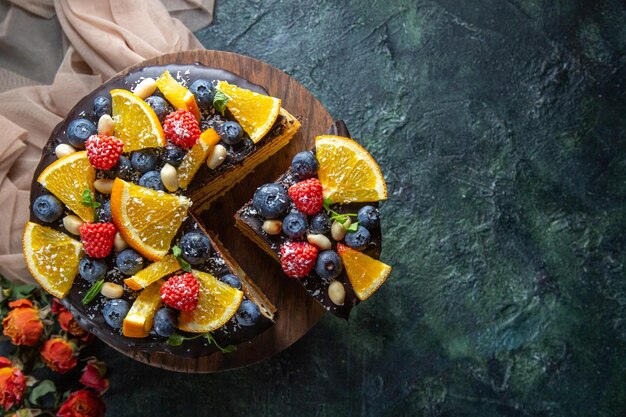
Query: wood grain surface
(297, 312)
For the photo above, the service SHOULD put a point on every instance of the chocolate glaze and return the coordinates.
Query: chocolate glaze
(90, 317)
(315, 286)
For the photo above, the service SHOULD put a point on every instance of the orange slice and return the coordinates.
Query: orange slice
(52, 258)
(196, 157)
(177, 94)
(68, 178)
(217, 303)
(147, 219)
(347, 171)
(136, 124)
(256, 113)
(140, 317)
(365, 273)
(152, 273)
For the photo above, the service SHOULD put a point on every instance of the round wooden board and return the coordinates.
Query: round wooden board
(297, 312)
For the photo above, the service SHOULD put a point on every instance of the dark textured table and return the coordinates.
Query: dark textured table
(500, 127)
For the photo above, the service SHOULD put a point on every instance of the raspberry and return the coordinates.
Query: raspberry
(104, 151)
(297, 258)
(181, 128)
(97, 238)
(307, 196)
(181, 292)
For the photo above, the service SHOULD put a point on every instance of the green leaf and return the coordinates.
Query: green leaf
(89, 200)
(219, 101)
(353, 227)
(177, 252)
(227, 349)
(43, 388)
(327, 203)
(93, 291)
(22, 291)
(175, 339)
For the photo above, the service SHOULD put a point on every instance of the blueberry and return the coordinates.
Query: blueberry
(271, 200)
(305, 164)
(165, 322)
(47, 208)
(328, 265)
(204, 91)
(160, 106)
(294, 225)
(79, 130)
(195, 247)
(129, 262)
(232, 280)
(368, 217)
(231, 133)
(104, 212)
(123, 169)
(114, 312)
(144, 160)
(248, 313)
(320, 224)
(91, 269)
(101, 106)
(174, 155)
(358, 240)
(152, 179)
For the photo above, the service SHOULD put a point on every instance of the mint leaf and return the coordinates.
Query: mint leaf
(227, 349)
(353, 227)
(219, 101)
(93, 291)
(327, 203)
(175, 339)
(89, 200)
(178, 252)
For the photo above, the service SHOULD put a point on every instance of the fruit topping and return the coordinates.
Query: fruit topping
(368, 217)
(307, 196)
(92, 269)
(79, 130)
(104, 212)
(347, 171)
(68, 178)
(294, 225)
(179, 96)
(47, 208)
(123, 169)
(320, 223)
(181, 128)
(232, 280)
(101, 106)
(160, 107)
(114, 312)
(97, 238)
(304, 164)
(231, 133)
(365, 273)
(136, 124)
(174, 155)
(129, 262)
(194, 159)
(152, 180)
(271, 200)
(248, 313)
(181, 292)
(147, 219)
(144, 160)
(140, 317)
(203, 91)
(217, 303)
(195, 247)
(256, 112)
(165, 322)
(152, 273)
(328, 265)
(297, 258)
(358, 240)
(52, 258)
(104, 151)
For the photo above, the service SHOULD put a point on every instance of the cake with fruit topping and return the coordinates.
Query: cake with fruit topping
(113, 229)
(320, 220)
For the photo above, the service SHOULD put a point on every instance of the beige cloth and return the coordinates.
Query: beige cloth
(105, 37)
